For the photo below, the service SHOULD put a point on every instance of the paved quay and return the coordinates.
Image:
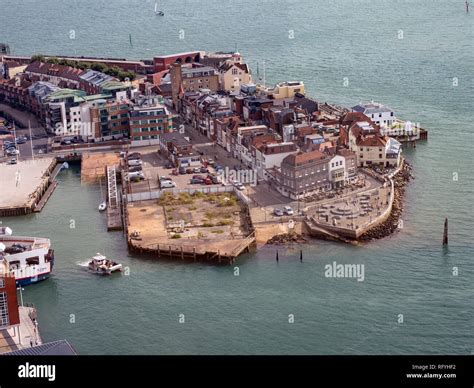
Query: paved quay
(25, 335)
(21, 182)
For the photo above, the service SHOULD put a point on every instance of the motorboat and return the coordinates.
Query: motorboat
(157, 11)
(101, 265)
(102, 206)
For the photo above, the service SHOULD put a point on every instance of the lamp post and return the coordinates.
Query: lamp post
(21, 294)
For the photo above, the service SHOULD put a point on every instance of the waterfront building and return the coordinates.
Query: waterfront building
(232, 75)
(164, 62)
(287, 89)
(301, 174)
(193, 78)
(380, 114)
(148, 119)
(63, 76)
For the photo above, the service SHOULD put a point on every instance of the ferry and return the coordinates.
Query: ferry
(29, 259)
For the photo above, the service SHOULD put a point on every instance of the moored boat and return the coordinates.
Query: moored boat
(29, 259)
(101, 265)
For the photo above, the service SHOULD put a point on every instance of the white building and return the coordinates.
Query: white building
(378, 113)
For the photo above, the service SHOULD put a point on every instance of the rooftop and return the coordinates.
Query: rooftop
(370, 108)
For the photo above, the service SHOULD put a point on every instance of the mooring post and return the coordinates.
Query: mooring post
(158, 250)
(170, 250)
(301, 255)
(277, 256)
(445, 234)
(194, 253)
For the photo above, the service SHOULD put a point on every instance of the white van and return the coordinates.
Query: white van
(167, 184)
(134, 162)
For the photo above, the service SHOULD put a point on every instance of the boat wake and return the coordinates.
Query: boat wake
(83, 263)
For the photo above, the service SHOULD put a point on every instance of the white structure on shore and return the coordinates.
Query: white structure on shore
(378, 113)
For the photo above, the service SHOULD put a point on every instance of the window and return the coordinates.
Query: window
(4, 321)
(234, 71)
(32, 260)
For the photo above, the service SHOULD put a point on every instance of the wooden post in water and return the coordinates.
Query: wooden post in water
(194, 253)
(301, 255)
(277, 256)
(445, 234)
(158, 250)
(170, 251)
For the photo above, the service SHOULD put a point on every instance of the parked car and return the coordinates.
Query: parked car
(278, 212)
(135, 168)
(175, 172)
(214, 179)
(199, 177)
(182, 170)
(134, 162)
(12, 151)
(288, 210)
(169, 165)
(12, 161)
(238, 185)
(210, 162)
(189, 170)
(218, 167)
(203, 170)
(21, 140)
(165, 178)
(167, 184)
(134, 155)
(136, 174)
(196, 181)
(137, 178)
(196, 170)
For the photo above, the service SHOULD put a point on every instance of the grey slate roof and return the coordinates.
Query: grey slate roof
(56, 348)
(371, 108)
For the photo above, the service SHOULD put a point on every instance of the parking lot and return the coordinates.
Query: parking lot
(153, 167)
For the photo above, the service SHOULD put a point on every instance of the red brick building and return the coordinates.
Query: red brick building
(9, 315)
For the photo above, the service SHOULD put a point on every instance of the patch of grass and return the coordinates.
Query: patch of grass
(225, 222)
(191, 208)
(218, 231)
(175, 236)
(207, 224)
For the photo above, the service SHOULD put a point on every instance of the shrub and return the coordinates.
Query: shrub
(175, 236)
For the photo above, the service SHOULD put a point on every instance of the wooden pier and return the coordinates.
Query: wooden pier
(196, 252)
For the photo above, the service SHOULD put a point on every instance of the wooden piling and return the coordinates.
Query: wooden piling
(445, 234)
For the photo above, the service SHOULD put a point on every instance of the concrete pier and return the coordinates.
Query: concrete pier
(24, 184)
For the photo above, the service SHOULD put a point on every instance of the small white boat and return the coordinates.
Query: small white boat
(103, 266)
(102, 206)
(158, 12)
